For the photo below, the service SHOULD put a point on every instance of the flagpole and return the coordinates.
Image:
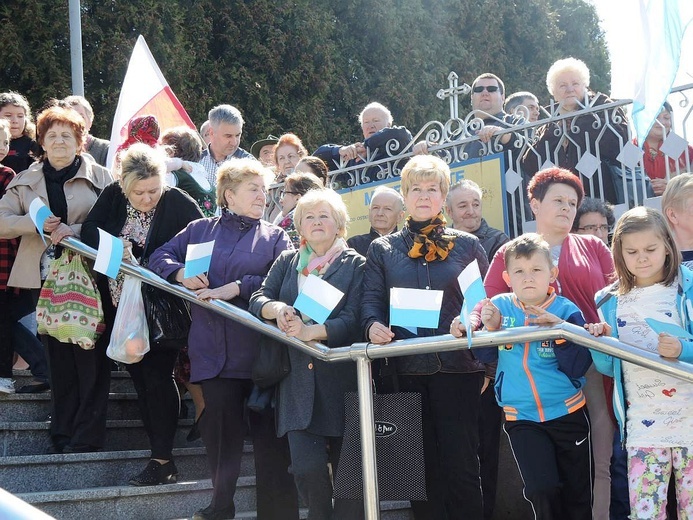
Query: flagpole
(76, 48)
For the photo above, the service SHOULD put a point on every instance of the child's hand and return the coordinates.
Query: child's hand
(598, 329)
(457, 328)
(668, 346)
(542, 316)
(490, 315)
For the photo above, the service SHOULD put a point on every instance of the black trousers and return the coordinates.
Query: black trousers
(450, 415)
(310, 455)
(80, 380)
(490, 420)
(554, 459)
(223, 426)
(158, 399)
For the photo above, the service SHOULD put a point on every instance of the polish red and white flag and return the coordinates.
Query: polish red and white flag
(145, 91)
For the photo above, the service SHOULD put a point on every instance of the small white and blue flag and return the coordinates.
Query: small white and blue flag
(110, 254)
(411, 308)
(197, 258)
(317, 299)
(39, 212)
(472, 287)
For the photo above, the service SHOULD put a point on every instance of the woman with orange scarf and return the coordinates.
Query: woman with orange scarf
(427, 255)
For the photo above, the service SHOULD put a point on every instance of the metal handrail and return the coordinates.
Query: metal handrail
(363, 353)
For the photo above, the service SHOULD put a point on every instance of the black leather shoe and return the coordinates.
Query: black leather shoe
(54, 449)
(34, 388)
(208, 513)
(156, 473)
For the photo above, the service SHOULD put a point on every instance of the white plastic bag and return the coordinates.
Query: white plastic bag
(130, 336)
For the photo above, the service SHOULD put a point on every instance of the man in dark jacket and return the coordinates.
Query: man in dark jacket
(385, 211)
(381, 140)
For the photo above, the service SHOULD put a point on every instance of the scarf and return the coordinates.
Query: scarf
(55, 179)
(430, 241)
(141, 129)
(310, 263)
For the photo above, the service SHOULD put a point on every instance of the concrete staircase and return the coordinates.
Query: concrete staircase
(94, 485)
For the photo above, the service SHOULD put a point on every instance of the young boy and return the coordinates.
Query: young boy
(539, 385)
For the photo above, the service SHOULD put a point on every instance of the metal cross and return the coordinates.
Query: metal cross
(453, 93)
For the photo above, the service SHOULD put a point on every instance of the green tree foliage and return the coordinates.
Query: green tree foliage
(306, 66)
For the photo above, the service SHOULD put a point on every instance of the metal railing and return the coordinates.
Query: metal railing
(455, 140)
(363, 353)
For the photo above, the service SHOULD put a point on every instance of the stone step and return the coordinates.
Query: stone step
(32, 438)
(120, 380)
(161, 502)
(37, 407)
(36, 473)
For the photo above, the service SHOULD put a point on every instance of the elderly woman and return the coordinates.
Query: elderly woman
(311, 398)
(564, 142)
(68, 184)
(584, 266)
(295, 187)
(427, 255)
(187, 174)
(287, 152)
(145, 213)
(222, 351)
(654, 161)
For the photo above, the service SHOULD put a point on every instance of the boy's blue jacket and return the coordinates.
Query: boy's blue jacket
(607, 300)
(542, 380)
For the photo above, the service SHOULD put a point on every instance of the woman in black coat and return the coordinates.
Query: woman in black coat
(427, 255)
(145, 214)
(310, 409)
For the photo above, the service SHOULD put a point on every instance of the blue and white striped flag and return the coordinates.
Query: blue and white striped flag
(197, 258)
(472, 287)
(39, 212)
(317, 299)
(411, 308)
(110, 254)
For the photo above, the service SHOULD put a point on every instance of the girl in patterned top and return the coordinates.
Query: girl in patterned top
(654, 410)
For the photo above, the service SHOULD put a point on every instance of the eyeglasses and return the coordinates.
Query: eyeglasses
(591, 228)
(487, 88)
(290, 193)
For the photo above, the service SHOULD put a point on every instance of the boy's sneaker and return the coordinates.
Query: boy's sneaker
(6, 385)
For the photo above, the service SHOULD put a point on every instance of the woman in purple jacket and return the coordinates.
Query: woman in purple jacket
(222, 351)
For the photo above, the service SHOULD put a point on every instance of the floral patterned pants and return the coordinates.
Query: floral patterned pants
(649, 471)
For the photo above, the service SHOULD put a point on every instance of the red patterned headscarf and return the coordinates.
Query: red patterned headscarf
(142, 129)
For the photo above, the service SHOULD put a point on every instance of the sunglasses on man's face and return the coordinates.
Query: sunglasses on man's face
(487, 88)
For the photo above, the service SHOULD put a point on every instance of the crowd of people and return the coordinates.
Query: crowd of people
(592, 436)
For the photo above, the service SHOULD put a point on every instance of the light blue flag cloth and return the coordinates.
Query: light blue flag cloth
(668, 328)
(110, 254)
(39, 212)
(198, 257)
(472, 287)
(317, 299)
(664, 24)
(410, 308)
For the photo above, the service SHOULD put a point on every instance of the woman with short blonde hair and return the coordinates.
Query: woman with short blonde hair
(427, 255)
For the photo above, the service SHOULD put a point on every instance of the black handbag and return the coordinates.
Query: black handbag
(398, 444)
(168, 316)
(272, 362)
